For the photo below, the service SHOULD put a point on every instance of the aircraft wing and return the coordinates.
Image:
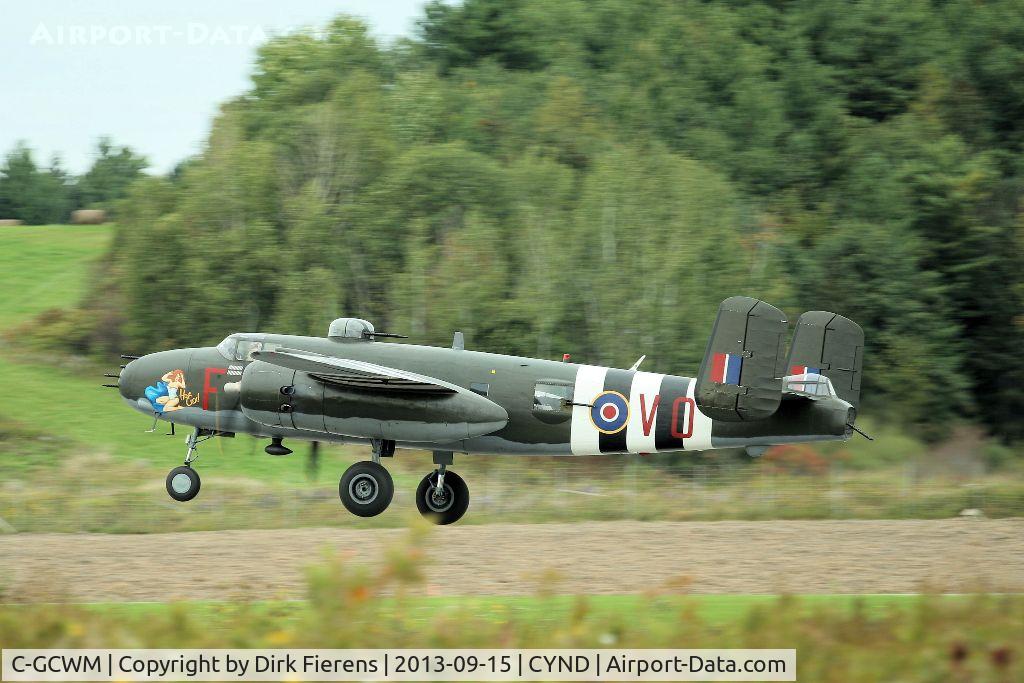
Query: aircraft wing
(354, 374)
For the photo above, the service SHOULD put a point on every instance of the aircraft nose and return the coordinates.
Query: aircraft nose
(127, 379)
(146, 372)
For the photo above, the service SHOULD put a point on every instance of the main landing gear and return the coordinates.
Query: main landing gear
(366, 488)
(442, 496)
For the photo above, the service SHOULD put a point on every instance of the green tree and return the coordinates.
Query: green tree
(32, 194)
(462, 35)
(914, 354)
(875, 48)
(112, 171)
(911, 172)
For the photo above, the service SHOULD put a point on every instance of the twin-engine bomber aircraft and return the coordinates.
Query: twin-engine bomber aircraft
(352, 388)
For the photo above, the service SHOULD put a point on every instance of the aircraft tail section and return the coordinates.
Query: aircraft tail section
(740, 377)
(828, 344)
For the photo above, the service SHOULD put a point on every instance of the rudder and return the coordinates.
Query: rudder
(830, 345)
(740, 377)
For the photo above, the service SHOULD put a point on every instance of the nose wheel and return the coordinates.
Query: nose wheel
(183, 483)
(366, 489)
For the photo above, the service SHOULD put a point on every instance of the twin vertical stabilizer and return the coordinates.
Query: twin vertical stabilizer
(744, 364)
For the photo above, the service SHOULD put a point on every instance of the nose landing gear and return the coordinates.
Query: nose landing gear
(442, 496)
(183, 482)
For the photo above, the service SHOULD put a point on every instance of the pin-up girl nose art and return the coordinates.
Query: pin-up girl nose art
(164, 395)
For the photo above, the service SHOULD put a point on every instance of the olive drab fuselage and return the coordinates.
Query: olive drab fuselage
(484, 403)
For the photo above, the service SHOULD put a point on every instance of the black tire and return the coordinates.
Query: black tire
(183, 483)
(454, 505)
(366, 489)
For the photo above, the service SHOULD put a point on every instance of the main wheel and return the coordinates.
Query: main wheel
(366, 489)
(183, 483)
(447, 505)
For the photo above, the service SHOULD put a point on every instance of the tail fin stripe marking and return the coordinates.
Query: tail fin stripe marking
(734, 364)
(718, 367)
(726, 368)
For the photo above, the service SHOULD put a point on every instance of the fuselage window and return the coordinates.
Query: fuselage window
(552, 398)
(481, 388)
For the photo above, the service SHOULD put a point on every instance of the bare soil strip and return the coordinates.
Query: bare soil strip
(958, 555)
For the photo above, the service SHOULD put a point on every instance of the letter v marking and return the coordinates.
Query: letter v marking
(645, 418)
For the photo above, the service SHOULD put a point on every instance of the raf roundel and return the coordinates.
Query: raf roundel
(610, 412)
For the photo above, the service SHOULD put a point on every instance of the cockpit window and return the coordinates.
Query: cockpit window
(246, 348)
(227, 347)
(241, 348)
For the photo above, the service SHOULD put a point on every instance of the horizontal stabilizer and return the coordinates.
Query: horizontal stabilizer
(740, 377)
(828, 344)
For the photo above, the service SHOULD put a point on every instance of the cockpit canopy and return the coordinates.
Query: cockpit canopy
(350, 328)
(240, 346)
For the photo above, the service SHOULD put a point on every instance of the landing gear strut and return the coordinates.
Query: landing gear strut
(183, 482)
(442, 496)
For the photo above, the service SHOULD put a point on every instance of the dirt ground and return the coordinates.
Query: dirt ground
(958, 555)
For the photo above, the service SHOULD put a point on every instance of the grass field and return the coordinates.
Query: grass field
(45, 267)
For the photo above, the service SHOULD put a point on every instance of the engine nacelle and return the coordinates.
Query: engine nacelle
(262, 396)
(279, 397)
